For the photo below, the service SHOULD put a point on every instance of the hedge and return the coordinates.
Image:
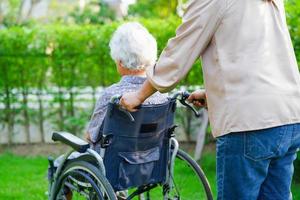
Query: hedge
(62, 57)
(75, 55)
(69, 56)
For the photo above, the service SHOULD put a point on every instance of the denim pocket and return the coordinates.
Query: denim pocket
(263, 144)
(136, 167)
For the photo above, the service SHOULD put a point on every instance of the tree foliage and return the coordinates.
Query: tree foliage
(293, 19)
(90, 15)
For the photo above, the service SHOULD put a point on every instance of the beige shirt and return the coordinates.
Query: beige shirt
(250, 70)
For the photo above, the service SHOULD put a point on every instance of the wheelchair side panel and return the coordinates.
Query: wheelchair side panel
(142, 163)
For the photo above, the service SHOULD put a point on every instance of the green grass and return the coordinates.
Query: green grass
(23, 178)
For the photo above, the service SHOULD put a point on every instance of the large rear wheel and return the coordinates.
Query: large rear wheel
(82, 180)
(189, 180)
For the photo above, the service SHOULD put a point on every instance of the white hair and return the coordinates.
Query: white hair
(134, 46)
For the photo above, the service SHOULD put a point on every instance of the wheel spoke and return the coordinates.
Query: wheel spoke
(189, 182)
(83, 181)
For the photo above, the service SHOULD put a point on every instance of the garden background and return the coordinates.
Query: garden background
(52, 69)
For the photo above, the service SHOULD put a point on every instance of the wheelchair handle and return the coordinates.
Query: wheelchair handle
(116, 100)
(183, 97)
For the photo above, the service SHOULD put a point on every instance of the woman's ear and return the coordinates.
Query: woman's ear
(120, 64)
(120, 67)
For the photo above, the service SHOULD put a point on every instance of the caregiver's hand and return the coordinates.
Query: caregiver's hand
(130, 101)
(198, 98)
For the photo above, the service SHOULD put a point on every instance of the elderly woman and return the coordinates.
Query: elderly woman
(133, 49)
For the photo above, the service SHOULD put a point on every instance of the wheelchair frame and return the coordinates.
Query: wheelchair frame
(101, 166)
(99, 157)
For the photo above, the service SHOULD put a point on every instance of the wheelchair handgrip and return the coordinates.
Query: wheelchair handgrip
(184, 96)
(116, 100)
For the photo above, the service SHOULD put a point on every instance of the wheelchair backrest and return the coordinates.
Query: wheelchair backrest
(148, 119)
(137, 152)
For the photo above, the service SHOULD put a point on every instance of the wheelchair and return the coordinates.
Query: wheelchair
(138, 156)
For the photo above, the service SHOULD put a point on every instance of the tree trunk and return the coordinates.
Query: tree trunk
(19, 17)
(41, 116)
(8, 109)
(94, 97)
(9, 117)
(72, 112)
(25, 104)
(188, 125)
(201, 135)
(61, 97)
(185, 117)
(61, 110)
(22, 18)
(71, 100)
(26, 115)
(73, 76)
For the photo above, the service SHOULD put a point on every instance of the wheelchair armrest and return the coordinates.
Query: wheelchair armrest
(69, 139)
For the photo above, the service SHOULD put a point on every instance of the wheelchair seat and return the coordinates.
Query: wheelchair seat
(69, 139)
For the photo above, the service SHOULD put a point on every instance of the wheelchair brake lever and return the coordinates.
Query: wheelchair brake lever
(197, 114)
(184, 97)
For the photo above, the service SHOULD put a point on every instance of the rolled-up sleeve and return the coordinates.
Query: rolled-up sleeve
(192, 37)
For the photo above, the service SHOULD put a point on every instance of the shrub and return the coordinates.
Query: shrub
(293, 18)
(72, 55)
(63, 57)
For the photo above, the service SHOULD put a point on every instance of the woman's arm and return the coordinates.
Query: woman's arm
(98, 116)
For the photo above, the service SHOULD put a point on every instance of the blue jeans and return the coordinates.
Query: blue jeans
(257, 164)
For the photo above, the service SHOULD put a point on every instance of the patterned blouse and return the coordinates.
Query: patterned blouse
(127, 84)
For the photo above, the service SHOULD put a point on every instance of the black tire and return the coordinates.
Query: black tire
(90, 177)
(190, 182)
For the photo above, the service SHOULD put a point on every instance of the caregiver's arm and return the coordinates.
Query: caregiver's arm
(199, 25)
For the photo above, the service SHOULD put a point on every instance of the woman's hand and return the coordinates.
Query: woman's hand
(198, 98)
(130, 101)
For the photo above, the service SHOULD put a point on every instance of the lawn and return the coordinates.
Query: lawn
(24, 178)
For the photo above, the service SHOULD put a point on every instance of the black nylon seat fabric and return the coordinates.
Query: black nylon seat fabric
(138, 151)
